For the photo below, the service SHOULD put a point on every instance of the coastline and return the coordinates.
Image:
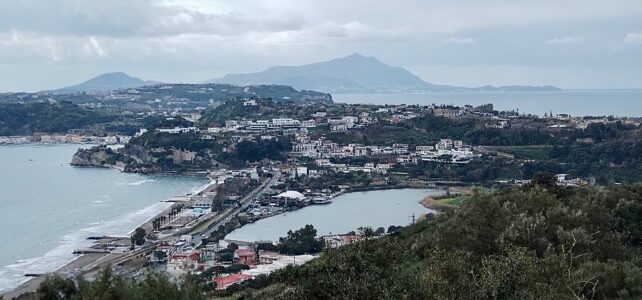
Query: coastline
(89, 262)
(432, 203)
(414, 201)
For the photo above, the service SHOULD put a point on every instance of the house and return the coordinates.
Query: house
(350, 120)
(223, 283)
(323, 162)
(202, 202)
(444, 144)
(250, 103)
(286, 122)
(338, 128)
(309, 123)
(177, 268)
(176, 130)
(361, 151)
(560, 177)
(445, 112)
(231, 125)
(424, 149)
(301, 171)
(244, 256)
(141, 132)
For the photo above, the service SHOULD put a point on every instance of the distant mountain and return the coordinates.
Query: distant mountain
(351, 74)
(106, 82)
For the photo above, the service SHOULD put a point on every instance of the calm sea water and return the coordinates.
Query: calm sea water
(48, 209)
(623, 103)
(346, 213)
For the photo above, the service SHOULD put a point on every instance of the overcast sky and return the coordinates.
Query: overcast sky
(47, 44)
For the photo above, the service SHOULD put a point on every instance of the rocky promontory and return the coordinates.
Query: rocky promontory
(93, 157)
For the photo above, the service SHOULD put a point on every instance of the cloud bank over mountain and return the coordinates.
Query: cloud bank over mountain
(47, 44)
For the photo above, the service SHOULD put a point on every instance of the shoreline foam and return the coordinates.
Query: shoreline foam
(75, 240)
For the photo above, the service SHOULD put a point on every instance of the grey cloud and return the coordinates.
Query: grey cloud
(194, 40)
(633, 38)
(131, 18)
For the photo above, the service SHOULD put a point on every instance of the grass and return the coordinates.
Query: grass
(454, 201)
(539, 152)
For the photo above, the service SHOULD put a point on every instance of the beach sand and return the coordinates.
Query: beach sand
(69, 270)
(91, 262)
(87, 263)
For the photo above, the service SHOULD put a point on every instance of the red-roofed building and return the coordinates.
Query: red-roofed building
(244, 256)
(225, 282)
(194, 256)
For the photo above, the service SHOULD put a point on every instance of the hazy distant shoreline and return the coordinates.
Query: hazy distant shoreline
(598, 102)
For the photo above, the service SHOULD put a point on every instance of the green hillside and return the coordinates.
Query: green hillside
(534, 242)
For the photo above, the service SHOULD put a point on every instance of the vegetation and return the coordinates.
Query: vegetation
(138, 238)
(265, 109)
(253, 151)
(25, 119)
(233, 268)
(110, 286)
(302, 241)
(538, 241)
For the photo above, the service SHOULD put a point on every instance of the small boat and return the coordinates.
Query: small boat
(321, 200)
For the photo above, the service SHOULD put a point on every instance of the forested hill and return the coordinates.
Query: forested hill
(25, 119)
(535, 242)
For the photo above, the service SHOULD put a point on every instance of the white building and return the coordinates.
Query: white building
(177, 130)
(286, 122)
(309, 123)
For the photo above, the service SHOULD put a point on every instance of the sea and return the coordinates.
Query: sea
(48, 208)
(620, 103)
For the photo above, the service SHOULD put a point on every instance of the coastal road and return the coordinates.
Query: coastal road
(197, 239)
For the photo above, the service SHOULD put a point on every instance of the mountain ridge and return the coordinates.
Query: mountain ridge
(106, 82)
(354, 73)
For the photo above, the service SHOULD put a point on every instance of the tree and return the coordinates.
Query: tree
(393, 228)
(380, 231)
(138, 237)
(367, 232)
(518, 243)
(57, 288)
(301, 241)
(544, 179)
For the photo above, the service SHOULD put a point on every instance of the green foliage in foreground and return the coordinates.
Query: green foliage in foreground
(535, 242)
(109, 286)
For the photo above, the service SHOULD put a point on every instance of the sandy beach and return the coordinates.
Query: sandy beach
(77, 266)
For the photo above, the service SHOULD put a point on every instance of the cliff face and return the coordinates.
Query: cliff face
(104, 157)
(93, 157)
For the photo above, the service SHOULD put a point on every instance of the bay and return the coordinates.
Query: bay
(48, 208)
